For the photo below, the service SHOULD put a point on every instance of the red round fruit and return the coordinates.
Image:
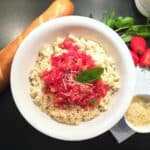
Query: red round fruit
(138, 45)
(145, 59)
(135, 57)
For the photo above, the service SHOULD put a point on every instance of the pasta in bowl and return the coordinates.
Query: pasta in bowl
(115, 69)
(53, 85)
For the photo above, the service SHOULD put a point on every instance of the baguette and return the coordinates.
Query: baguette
(56, 9)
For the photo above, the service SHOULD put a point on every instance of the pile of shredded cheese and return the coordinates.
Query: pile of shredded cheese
(139, 111)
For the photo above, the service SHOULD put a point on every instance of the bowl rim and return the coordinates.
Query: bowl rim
(90, 22)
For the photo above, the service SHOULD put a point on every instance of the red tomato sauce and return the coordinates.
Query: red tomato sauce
(60, 82)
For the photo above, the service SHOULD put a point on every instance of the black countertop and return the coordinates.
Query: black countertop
(15, 132)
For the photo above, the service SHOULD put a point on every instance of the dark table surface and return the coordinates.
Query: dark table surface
(15, 132)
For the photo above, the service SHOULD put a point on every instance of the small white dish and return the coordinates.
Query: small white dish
(139, 129)
(25, 59)
(142, 88)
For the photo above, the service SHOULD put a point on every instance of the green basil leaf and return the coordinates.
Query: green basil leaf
(111, 19)
(126, 37)
(112, 14)
(140, 30)
(89, 75)
(118, 22)
(143, 34)
(110, 22)
(124, 22)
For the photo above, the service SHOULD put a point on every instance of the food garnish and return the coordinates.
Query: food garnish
(89, 75)
(126, 27)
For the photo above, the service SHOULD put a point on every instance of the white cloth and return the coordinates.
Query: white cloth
(121, 131)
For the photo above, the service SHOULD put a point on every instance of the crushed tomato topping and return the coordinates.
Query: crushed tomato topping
(60, 80)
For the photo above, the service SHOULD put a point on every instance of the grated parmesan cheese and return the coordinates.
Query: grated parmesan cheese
(139, 111)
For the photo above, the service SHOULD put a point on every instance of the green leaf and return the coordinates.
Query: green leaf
(126, 37)
(125, 26)
(124, 22)
(140, 30)
(112, 15)
(110, 22)
(118, 22)
(89, 75)
(111, 19)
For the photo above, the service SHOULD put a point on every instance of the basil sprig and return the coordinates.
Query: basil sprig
(126, 27)
(89, 75)
(139, 30)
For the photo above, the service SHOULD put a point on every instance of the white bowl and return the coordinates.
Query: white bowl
(139, 129)
(25, 59)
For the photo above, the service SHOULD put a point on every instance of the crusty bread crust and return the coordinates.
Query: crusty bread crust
(56, 9)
